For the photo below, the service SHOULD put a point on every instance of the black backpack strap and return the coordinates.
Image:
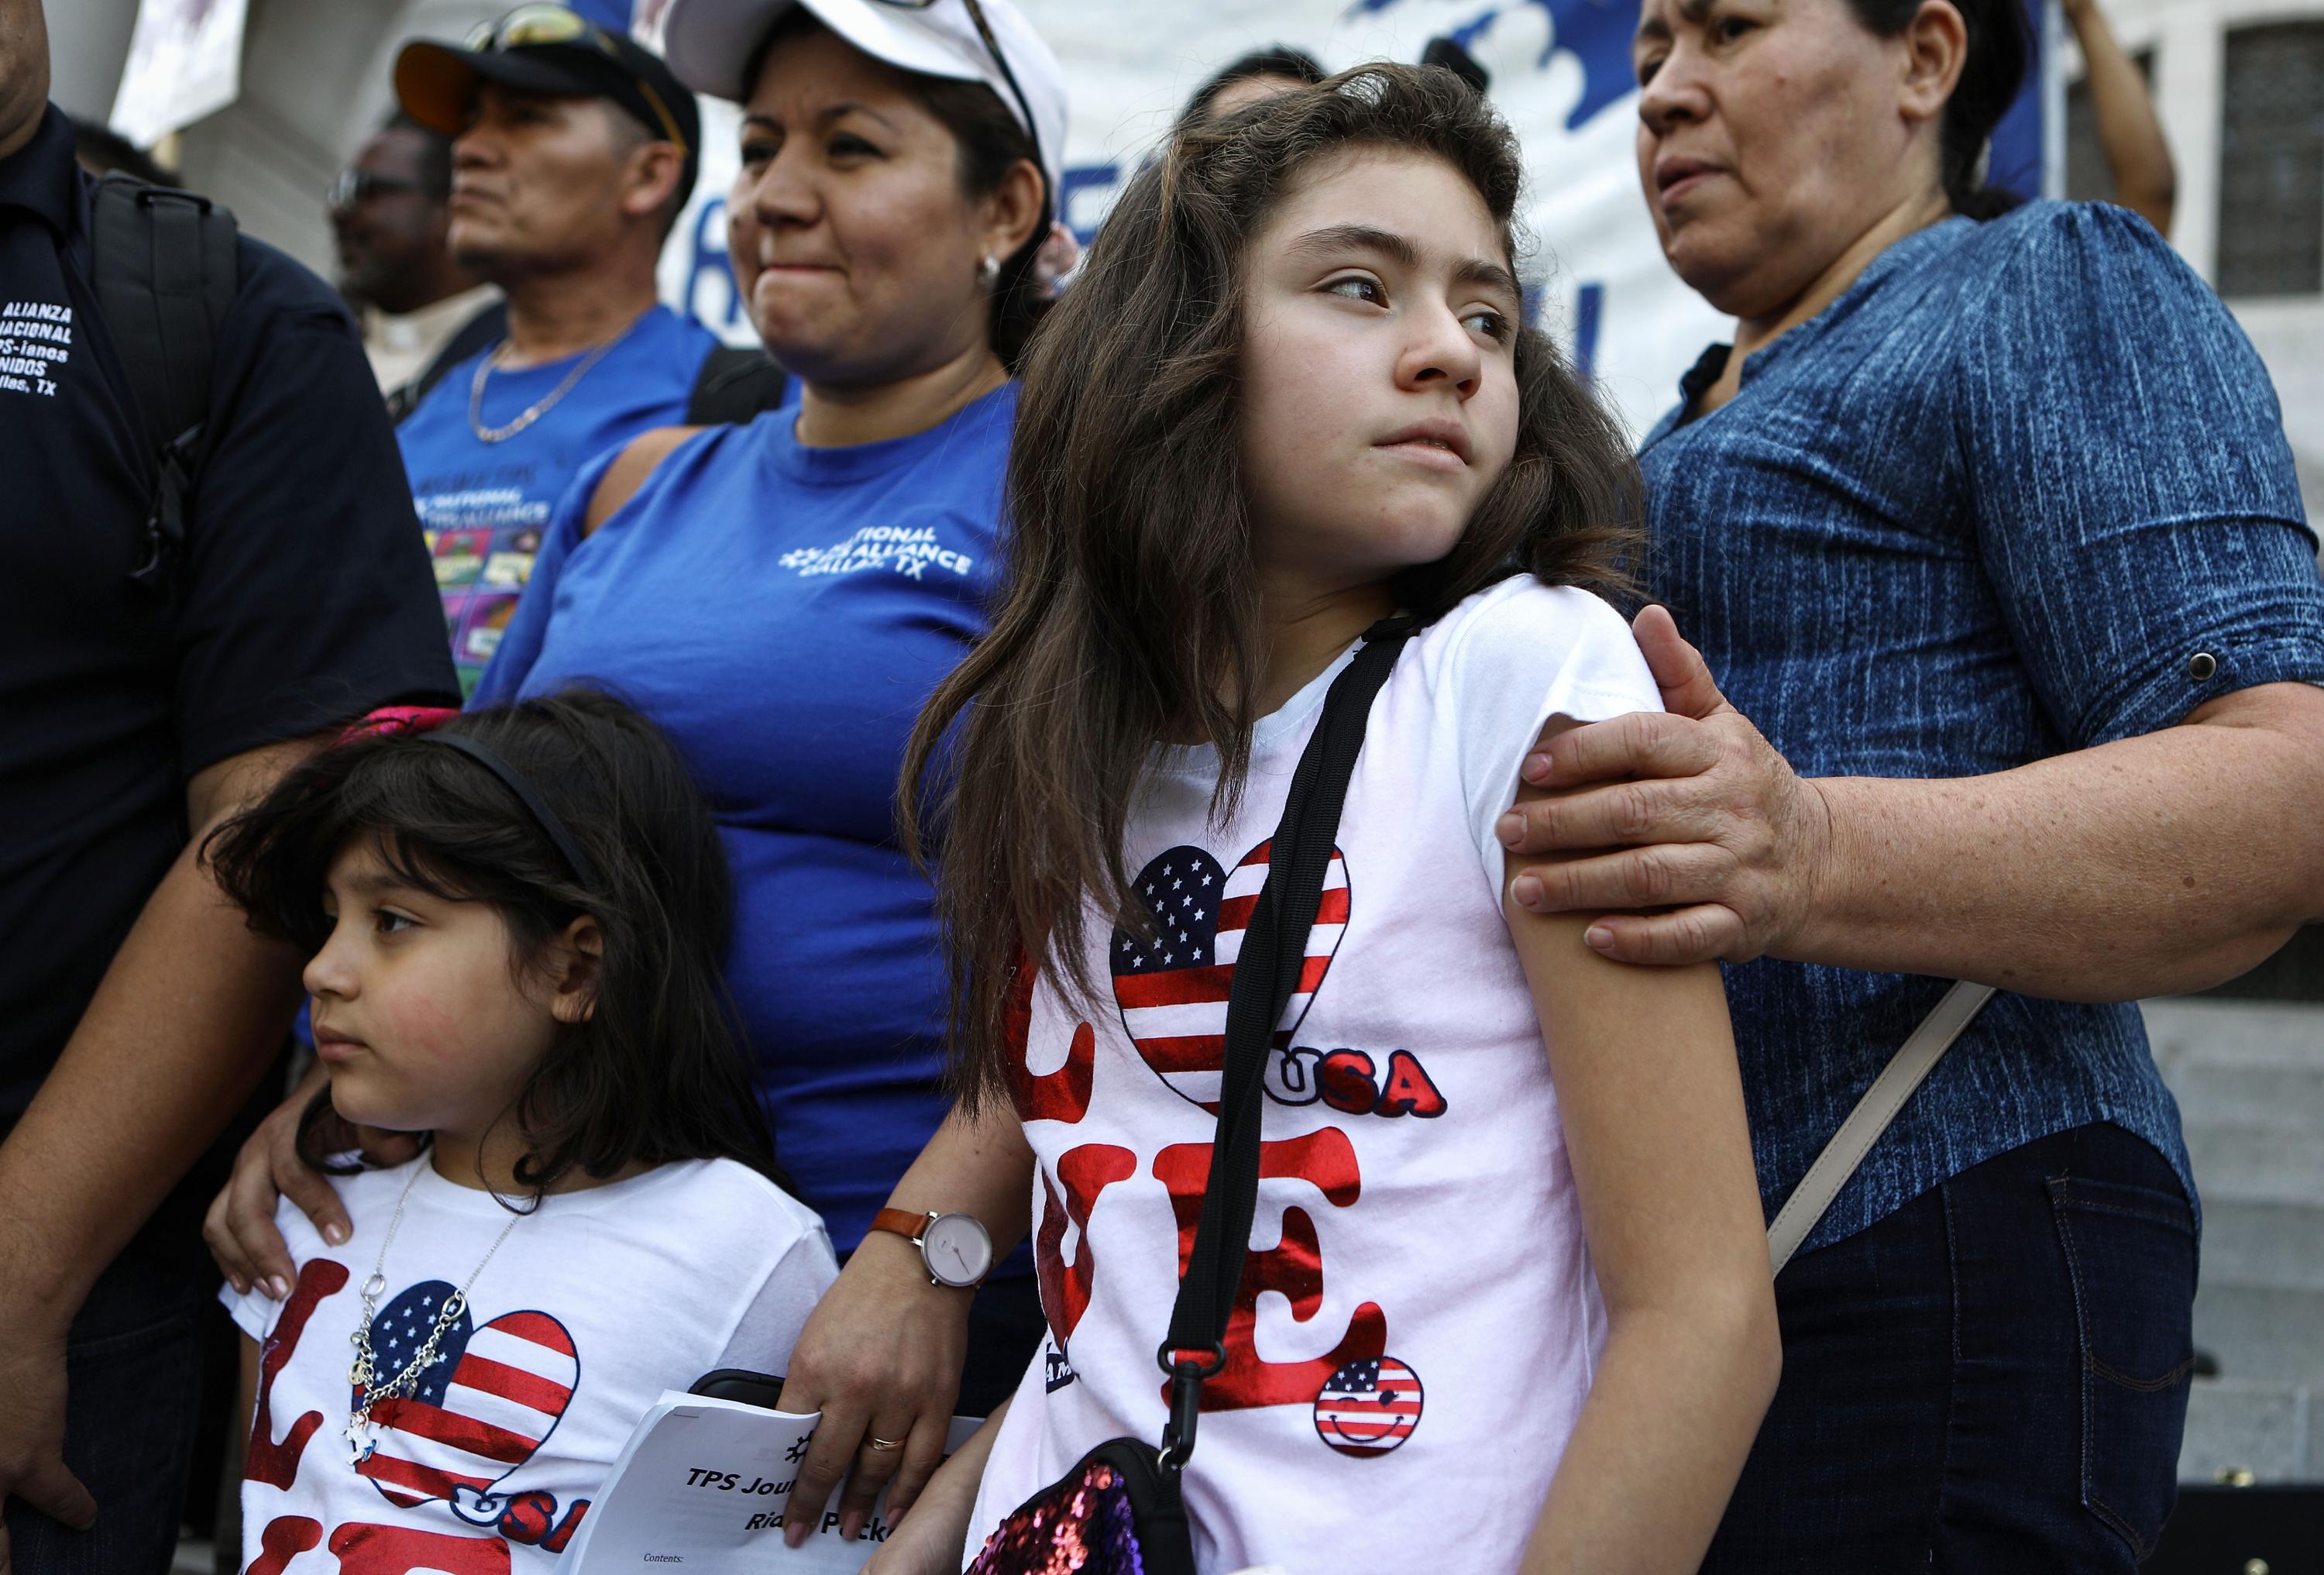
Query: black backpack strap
(732, 386)
(487, 328)
(164, 266)
(1266, 976)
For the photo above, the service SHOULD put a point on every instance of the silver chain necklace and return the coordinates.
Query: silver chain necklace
(539, 408)
(359, 1429)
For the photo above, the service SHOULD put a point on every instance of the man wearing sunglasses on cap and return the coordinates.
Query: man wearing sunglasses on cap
(575, 151)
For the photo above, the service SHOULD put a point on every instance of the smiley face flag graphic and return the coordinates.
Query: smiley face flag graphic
(1368, 1406)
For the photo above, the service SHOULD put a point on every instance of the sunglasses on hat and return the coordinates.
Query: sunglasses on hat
(543, 23)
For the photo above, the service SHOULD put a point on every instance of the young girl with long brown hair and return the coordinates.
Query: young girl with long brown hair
(1508, 1294)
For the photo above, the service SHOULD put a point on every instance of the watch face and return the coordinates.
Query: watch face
(958, 1250)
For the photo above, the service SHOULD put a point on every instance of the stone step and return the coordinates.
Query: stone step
(2262, 1243)
(2189, 1032)
(2259, 1094)
(2269, 1430)
(2256, 1162)
(2261, 1333)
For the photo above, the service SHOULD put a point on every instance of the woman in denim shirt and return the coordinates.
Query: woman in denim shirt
(1988, 524)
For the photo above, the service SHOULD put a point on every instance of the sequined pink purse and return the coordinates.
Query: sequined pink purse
(1117, 1513)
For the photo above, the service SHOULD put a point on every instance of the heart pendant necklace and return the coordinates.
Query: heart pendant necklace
(360, 1429)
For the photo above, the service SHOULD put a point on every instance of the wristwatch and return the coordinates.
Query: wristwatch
(957, 1249)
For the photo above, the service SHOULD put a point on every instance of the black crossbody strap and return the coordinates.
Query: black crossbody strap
(1267, 973)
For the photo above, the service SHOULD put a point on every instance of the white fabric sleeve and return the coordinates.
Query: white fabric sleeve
(769, 1326)
(1528, 652)
(254, 1311)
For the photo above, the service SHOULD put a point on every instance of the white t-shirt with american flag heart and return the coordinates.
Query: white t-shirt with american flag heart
(588, 1310)
(1419, 1321)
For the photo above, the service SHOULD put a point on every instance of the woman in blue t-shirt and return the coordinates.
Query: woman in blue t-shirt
(1986, 522)
(780, 597)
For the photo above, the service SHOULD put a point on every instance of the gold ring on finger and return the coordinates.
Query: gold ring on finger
(881, 1445)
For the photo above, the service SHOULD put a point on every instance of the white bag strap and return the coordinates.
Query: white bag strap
(1871, 1118)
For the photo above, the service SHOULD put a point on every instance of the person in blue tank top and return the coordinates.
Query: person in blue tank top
(577, 150)
(1988, 524)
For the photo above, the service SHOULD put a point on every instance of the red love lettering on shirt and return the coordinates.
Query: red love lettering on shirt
(286, 1537)
(365, 1549)
(1086, 1172)
(277, 1465)
(1293, 1268)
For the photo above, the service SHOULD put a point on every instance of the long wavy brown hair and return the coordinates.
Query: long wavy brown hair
(1131, 609)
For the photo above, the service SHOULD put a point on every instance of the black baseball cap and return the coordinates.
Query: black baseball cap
(552, 49)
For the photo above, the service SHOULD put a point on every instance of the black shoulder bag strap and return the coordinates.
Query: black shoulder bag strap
(1266, 976)
(165, 282)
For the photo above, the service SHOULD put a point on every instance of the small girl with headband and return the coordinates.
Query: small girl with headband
(515, 920)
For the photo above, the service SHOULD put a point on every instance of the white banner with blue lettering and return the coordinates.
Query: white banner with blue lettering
(1561, 73)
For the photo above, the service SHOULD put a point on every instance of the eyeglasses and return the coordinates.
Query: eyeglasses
(992, 47)
(353, 188)
(530, 25)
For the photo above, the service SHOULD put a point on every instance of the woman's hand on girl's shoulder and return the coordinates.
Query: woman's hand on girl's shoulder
(239, 1228)
(629, 471)
(1689, 814)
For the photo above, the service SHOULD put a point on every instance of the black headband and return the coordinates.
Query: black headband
(538, 806)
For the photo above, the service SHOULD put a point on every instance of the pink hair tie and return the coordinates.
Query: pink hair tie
(393, 719)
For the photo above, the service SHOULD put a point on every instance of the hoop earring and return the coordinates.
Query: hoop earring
(988, 271)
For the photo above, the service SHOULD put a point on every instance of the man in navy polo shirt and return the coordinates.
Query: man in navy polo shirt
(577, 150)
(137, 1011)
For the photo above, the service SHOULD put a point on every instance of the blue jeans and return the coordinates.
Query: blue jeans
(133, 1366)
(1993, 1377)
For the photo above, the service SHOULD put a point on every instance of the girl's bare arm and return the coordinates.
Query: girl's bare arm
(931, 1545)
(1652, 1107)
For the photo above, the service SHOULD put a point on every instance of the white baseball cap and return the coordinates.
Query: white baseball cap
(708, 43)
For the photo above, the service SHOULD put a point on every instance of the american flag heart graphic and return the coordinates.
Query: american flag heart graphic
(1172, 989)
(1368, 1406)
(483, 1406)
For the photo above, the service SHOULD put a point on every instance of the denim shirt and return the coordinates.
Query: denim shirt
(2021, 490)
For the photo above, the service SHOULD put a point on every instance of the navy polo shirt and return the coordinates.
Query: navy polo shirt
(302, 598)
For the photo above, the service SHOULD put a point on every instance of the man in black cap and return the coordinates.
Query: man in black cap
(575, 150)
(182, 620)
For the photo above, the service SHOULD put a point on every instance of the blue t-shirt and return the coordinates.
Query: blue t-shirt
(782, 612)
(483, 506)
(1990, 505)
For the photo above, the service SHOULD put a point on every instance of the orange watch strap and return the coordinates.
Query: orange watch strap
(902, 1222)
